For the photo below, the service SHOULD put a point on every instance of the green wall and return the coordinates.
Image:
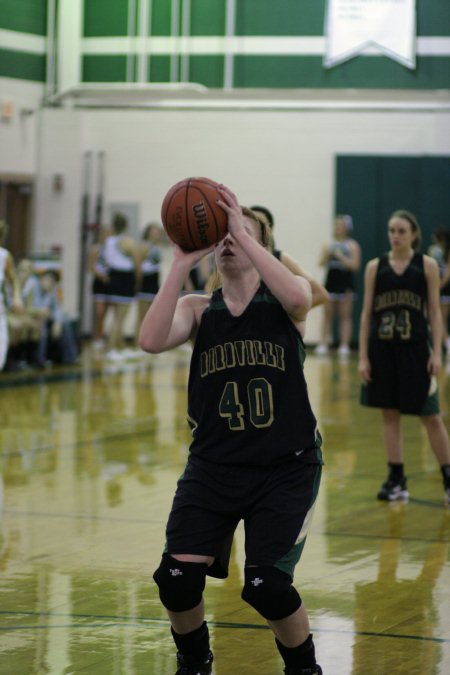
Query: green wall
(264, 18)
(285, 18)
(22, 66)
(26, 16)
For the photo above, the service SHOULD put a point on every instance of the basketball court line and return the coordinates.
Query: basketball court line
(131, 621)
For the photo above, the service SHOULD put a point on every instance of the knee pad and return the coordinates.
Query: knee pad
(270, 592)
(181, 584)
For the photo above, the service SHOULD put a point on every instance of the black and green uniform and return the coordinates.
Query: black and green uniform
(255, 453)
(399, 342)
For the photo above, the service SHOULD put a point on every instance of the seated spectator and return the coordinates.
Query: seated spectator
(25, 328)
(57, 341)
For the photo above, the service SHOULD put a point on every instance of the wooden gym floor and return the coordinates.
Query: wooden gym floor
(90, 456)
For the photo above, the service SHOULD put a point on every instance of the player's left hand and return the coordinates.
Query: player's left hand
(230, 204)
(364, 370)
(434, 363)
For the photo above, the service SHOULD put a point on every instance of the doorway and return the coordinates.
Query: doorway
(16, 201)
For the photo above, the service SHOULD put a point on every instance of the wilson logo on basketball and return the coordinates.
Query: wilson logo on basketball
(201, 220)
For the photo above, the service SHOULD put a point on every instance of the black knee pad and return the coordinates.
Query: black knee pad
(181, 584)
(270, 592)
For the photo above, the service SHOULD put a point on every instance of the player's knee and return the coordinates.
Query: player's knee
(181, 584)
(270, 592)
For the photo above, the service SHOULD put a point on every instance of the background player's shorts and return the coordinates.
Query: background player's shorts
(122, 287)
(445, 294)
(100, 289)
(149, 287)
(275, 503)
(400, 379)
(339, 282)
(3, 338)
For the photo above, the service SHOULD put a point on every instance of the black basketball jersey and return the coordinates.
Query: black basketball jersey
(399, 303)
(247, 395)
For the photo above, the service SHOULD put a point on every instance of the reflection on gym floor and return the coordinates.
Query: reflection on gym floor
(90, 456)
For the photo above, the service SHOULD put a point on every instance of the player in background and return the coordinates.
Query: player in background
(319, 294)
(150, 256)
(341, 258)
(100, 285)
(255, 454)
(121, 257)
(397, 364)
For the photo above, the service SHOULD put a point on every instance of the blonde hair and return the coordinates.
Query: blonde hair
(265, 238)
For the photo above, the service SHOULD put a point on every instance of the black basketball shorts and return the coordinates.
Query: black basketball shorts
(400, 379)
(275, 503)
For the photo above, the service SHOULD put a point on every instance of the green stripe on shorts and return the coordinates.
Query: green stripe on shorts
(288, 562)
(431, 406)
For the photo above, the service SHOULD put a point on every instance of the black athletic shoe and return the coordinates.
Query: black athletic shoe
(186, 667)
(391, 491)
(293, 670)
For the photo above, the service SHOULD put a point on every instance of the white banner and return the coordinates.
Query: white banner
(351, 26)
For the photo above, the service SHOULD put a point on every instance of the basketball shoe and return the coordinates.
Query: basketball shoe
(293, 670)
(188, 667)
(391, 491)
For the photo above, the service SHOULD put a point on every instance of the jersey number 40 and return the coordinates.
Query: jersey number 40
(260, 404)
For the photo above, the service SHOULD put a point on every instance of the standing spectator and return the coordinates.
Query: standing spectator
(396, 363)
(9, 292)
(255, 454)
(341, 258)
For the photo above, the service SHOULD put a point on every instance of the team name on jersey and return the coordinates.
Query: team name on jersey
(241, 353)
(397, 297)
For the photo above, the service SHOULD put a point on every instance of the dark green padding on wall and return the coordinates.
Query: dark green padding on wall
(22, 65)
(25, 16)
(105, 18)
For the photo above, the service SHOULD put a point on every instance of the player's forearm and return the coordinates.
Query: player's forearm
(319, 294)
(363, 336)
(292, 291)
(436, 331)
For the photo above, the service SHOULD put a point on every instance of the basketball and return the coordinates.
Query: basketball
(191, 216)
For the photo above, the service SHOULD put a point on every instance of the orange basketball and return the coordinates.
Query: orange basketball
(191, 216)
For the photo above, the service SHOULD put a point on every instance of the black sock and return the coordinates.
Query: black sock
(445, 468)
(396, 472)
(31, 348)
(194, 645)
(302, 656)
